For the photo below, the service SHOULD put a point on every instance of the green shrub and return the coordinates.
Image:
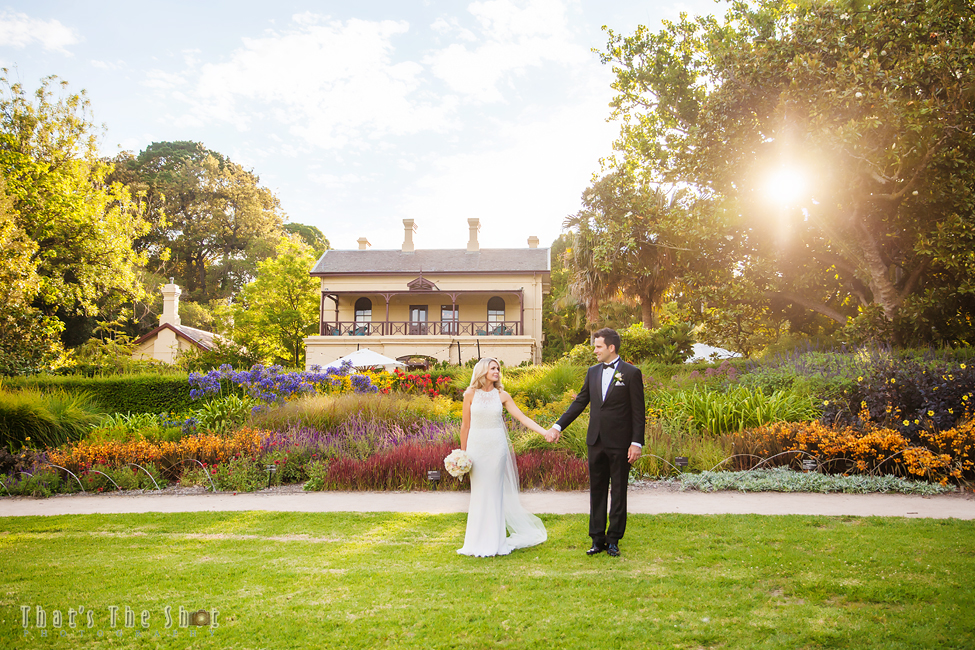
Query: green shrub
(664, 442)
(223, 414)
(739, 408)
(241, 474)
(545, 383)
(670, 344)
(31, 418)
(148, 393)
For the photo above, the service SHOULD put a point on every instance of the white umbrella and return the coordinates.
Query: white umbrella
(366, 358)
(703, 352)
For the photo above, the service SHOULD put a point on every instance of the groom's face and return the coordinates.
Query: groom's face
(604, 353)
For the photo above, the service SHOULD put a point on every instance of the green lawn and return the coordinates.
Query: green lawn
(290, 580)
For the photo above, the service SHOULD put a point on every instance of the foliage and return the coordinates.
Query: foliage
(417, 384)
(670, 344)
(633, 239)
(223, 414)
(76, 226)
(738, 408)
(563, 316)
(326, 412)
(102, 478)
(873, 103)
(908, 395)
(239, 474)
(29, 340)
(211, 220)
(781, 479)
(543, 384)
(937, 455)
(272, 315)
(39, 420)
(145, 393)
(224, 353)
(664, 442)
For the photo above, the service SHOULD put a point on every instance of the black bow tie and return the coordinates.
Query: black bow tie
(609, 365)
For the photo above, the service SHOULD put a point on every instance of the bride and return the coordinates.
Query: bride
(494, 474)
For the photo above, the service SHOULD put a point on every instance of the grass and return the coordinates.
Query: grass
(299, 580)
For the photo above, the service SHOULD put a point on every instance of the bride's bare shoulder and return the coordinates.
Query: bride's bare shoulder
(469, 392)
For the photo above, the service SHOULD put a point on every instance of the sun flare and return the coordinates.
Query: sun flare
(786, 186)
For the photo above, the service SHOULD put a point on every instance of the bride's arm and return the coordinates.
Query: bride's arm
(465, 423)
(518, 415)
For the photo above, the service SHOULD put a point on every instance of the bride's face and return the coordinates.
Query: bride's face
(493, 372)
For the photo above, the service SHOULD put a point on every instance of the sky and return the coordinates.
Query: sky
(357, 115)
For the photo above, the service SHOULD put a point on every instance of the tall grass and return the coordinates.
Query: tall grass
(35, 419)
(737, 409)
(325, 412)
(663, 444)
(545, 383)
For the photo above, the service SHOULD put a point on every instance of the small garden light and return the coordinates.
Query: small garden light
(271, 469)
(433, 476)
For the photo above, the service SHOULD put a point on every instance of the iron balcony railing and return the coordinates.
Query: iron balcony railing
(413, 328)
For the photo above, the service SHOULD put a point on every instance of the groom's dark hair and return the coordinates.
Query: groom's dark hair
(609, 337)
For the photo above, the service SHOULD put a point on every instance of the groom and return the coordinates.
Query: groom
(617, 420)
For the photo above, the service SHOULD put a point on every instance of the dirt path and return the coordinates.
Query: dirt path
(647, 500)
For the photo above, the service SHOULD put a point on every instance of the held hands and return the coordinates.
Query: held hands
(552, 435)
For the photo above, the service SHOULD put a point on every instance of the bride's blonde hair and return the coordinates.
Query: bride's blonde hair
(481, 370)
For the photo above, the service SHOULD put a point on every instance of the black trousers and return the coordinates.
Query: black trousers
(609, 471)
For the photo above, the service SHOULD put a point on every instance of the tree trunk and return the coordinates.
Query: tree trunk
(884, 292)
(648, 312)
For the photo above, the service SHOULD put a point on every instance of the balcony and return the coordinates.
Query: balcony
(413, 328)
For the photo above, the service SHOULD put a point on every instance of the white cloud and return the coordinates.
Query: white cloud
(331, 83)
(526, 186)
(18, 30)
(335, 181)
(515, 36)
(163, 80)
(107, 65)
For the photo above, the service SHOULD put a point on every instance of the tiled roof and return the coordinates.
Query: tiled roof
(487, 260)
(204, 340)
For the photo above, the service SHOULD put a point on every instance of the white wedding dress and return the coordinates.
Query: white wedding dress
(495, 505)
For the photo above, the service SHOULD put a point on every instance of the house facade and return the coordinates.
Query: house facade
(449, 304)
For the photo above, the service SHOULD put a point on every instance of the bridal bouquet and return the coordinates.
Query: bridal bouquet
(458, 463)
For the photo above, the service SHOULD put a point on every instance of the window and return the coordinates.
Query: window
(495, 310)
(363, 310)
(418, 320)
(449, 319)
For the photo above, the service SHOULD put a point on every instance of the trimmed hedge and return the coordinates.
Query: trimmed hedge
(149, 393)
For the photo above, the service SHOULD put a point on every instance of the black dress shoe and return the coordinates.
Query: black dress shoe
(613, 549)
(596, 549)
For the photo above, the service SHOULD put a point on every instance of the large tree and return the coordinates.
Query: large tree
(872, 104)
(272, 315)
(78, 227)
(212, 220)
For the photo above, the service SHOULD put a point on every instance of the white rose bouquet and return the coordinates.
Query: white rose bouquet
(458, 463)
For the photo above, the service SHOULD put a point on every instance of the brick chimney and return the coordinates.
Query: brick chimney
(472, 245)
(363, 244)
(170, 312)
(408, 229)
(533, 242)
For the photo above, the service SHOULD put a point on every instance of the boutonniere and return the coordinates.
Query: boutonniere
(618, 376)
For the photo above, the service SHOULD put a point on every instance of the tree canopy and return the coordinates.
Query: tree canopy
(870, 104)
(212, 221)
(70, 228)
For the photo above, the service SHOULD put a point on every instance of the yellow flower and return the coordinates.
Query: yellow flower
(826, 403)
(893, 381)
(962, 366)
(907, 423)
(930, 414)
(859, 378)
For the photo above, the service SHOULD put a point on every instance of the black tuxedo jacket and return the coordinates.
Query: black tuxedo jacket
(618, 421)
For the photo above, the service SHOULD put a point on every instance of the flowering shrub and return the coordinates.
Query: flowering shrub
(272, 385)
(420, 384)
(405, 467)
(937, 455)
(908, 396)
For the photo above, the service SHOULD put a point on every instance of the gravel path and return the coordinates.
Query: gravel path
(647, 498)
